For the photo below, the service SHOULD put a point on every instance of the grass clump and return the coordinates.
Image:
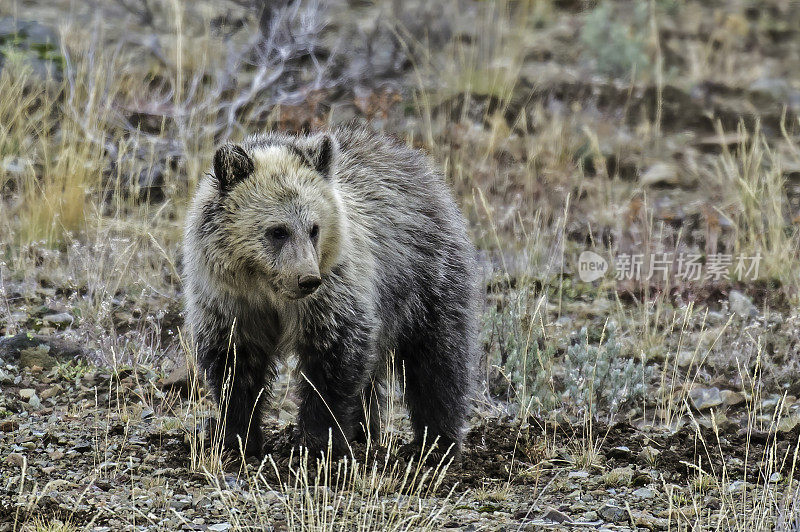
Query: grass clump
(616, 48)
(754, 173)
(40, 524)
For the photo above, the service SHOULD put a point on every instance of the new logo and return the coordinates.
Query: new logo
(591, 266)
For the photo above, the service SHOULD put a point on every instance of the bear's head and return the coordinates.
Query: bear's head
(282, 213)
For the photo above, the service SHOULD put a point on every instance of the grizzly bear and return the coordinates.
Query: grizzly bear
(339, 247)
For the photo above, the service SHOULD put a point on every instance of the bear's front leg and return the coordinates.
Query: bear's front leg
(236, 379)
(335, 365)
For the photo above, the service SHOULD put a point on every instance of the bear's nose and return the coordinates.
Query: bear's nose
(308, 283)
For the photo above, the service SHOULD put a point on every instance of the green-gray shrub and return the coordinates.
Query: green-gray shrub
(598, 378)
(594, 376)
(516, 345)
(612, 46)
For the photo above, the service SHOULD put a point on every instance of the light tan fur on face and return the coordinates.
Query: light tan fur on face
(282, 191)
(285, 192)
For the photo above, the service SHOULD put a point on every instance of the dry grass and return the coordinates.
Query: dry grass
(764, 502)
(539, 179)
(42, 525)
(760, 211)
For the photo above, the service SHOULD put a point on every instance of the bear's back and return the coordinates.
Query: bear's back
(394, 187)
(401, 208)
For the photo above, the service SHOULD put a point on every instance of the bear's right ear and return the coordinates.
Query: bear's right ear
(231, 165)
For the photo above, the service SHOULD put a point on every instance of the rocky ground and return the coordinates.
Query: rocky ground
(106, 449)
(659, 403)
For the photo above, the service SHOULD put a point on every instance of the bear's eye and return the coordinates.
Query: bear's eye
(278, 233)
(314, 231)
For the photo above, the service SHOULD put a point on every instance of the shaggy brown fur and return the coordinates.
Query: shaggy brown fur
(340, 248)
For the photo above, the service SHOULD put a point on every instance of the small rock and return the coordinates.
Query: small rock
(50, 392)
(741, 304)
(713, 503)
(731, 398)
(776, 87)
(715, 316)
(578, 474)
(551, 514)
(660, 173)
(714, 419)
(619, 452)
(563, 321)
(12, 164)
(788, 423)
(179, 505)
(737, 486)
(646, 520)
(34, 401)
(613, 513)
(704, 398)
(61, 319)
(771, 402)
(232, 482)
(177, 381)
(11, 347)
(27, 393)
(219, 527)
(17, 459)
(35, 44)
(82, 447)
(270, 496)
(775, 478)
(685, 358)
(644, 493)
(619, 476)
(29, 32)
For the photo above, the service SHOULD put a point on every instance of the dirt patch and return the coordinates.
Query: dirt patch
(504, 451)
(492, 452)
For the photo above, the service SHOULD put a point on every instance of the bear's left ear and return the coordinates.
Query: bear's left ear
(321, 151)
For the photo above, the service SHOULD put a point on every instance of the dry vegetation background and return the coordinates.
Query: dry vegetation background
(623, 127)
